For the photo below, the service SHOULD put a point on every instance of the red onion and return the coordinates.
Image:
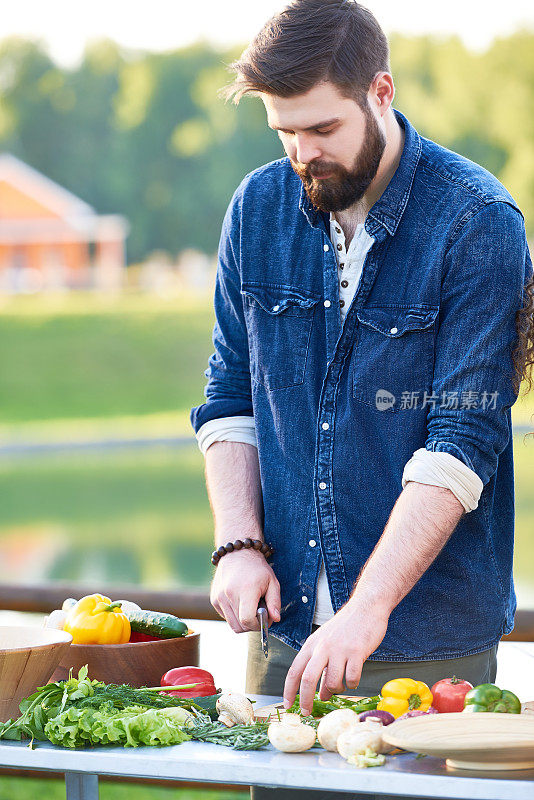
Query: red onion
(417, 713)
(384, 716)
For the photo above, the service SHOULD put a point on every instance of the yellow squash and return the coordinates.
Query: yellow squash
(404, 694)
(96, 620)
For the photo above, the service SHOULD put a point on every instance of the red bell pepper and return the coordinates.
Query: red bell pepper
(180, 676)
(135, 636)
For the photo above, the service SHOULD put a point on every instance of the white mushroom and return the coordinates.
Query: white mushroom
(334, 724)
(290, 735)
(359, 740)
(234, 709)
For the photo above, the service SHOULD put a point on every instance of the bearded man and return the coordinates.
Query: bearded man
(373, 319)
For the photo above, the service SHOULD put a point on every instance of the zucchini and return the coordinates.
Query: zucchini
(154, 623)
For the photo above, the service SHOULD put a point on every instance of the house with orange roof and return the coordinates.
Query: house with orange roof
(50, 239)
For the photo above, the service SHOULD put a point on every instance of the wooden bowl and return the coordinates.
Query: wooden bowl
(136, 663)
(481, 740)
(28, 657)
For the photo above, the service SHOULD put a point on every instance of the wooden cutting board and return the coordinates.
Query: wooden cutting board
(469, 741)
(266, 712)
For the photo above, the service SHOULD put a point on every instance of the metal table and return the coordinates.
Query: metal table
(403, 775)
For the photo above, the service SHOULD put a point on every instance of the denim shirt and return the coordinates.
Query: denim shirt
(423, 360)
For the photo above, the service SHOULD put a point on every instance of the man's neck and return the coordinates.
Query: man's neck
(350, 217)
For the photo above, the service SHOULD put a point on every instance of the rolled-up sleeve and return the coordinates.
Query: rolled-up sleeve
(228, 389)
(485, 270)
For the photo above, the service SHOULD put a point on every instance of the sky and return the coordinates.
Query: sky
(66, 26)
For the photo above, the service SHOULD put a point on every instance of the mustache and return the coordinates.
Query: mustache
(315, 169)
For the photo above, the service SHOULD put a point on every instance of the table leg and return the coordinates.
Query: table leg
(81, 786)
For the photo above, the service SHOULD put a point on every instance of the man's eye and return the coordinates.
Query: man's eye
(325, 133)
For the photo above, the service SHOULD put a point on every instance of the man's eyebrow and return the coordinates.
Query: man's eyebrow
(324, 124)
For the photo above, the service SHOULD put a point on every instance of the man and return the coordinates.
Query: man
(357, 413)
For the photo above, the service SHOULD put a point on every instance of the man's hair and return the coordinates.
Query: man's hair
(312, 41)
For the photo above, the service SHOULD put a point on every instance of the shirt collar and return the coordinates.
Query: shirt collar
(389, 208)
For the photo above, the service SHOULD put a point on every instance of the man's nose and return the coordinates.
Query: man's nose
(306, 150)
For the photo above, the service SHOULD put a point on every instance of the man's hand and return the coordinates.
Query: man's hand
(420, 524)
(336, 651)
(241, 580)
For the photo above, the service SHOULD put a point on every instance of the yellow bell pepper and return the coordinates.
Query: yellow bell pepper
(404, 694)
(96, 620)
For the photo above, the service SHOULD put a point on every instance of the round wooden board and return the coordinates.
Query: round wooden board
(469, 741)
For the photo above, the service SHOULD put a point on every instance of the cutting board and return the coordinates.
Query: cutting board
(469, 741)
(266, 712)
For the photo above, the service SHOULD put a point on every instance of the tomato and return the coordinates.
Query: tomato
(449, 694)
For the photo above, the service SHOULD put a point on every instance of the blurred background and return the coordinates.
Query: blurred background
(117, 162)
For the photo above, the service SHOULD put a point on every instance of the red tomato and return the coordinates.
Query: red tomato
(448, 694)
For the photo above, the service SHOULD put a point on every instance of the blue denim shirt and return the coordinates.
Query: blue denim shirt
(423, 359)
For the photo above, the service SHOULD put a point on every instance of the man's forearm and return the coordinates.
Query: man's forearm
(244, 576)
(419, 526)
(234, 490)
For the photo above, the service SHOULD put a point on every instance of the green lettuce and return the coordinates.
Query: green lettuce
(129, 727)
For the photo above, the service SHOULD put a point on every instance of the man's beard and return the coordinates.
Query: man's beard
(344, 187)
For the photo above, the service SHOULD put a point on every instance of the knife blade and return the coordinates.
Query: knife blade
(262, 616)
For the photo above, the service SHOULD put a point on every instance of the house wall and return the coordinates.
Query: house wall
(16, 205)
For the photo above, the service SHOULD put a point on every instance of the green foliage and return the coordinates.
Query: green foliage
(147, 135)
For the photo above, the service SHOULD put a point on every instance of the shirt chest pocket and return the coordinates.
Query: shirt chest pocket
(279, 322)
(394, 358)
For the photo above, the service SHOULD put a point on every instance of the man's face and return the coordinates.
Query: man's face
(334, 146)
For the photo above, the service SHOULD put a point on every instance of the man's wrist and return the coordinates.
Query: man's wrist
(366, 601)
(230, 534)
(238, 545)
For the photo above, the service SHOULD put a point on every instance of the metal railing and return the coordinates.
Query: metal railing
(190, 604)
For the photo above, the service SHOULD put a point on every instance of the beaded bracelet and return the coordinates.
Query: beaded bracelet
(239, 544)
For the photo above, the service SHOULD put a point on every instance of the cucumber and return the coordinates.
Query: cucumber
(154, 623)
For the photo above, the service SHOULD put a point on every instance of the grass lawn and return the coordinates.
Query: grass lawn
(92, 359)
(51, 789)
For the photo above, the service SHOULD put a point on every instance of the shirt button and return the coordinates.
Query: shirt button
(326, 248)
(327, 304)
(276, 308)
(339, 246)
(312, 542)
(344, 284)
(394, 330)
(341, 266)
(338, 229)
(322, 485)
(341, 303)
(304, 598)
(325, 426)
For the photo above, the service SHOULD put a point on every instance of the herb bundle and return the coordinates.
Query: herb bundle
(240, 737)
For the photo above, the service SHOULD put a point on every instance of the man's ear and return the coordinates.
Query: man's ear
(382, 92)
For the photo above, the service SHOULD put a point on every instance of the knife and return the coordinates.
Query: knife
(262, 615)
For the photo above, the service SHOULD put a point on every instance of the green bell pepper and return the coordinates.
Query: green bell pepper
(488, 697)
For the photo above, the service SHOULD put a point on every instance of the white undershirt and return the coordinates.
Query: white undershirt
(425, 466)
